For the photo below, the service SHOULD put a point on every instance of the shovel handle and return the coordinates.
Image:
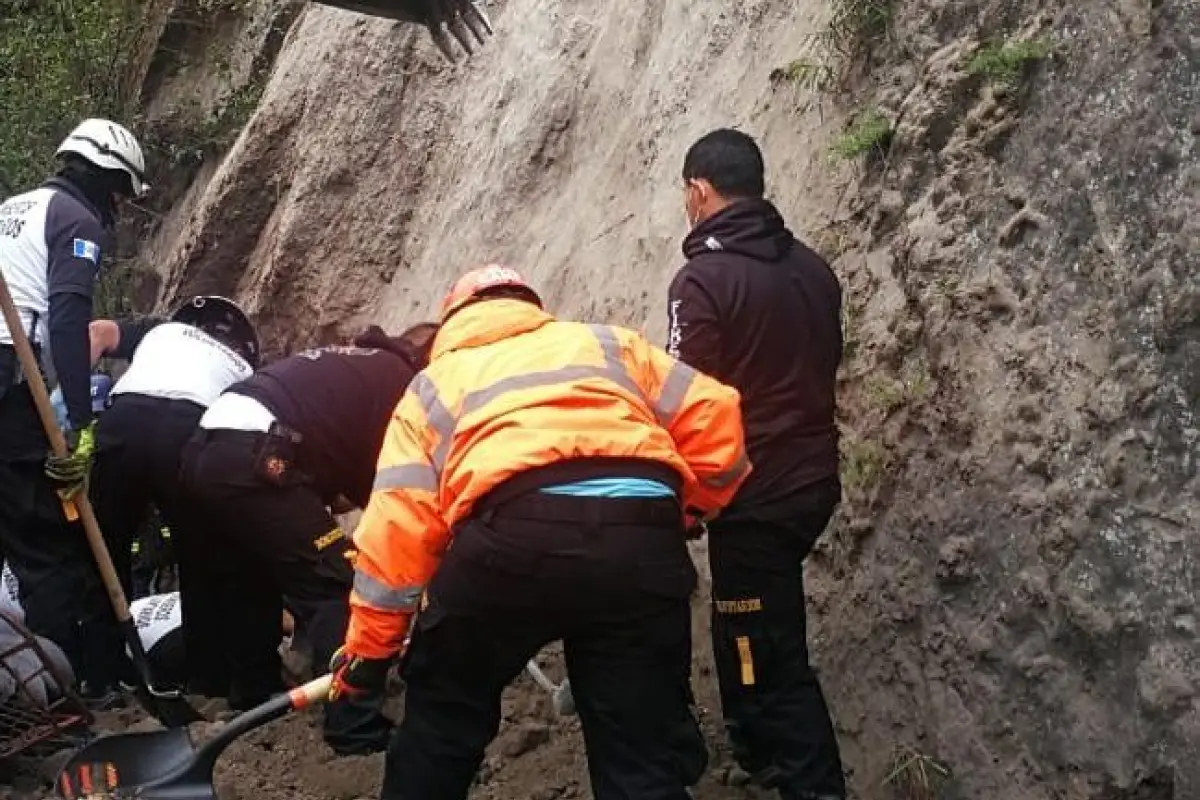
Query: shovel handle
(540, 677)
(314, 692)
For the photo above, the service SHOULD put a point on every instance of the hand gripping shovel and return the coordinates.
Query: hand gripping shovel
(163, 765)
(168, 706)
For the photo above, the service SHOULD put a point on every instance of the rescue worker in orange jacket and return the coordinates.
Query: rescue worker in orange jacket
(565, 463)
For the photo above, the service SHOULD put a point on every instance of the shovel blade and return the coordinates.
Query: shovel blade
(170, 708)
(122, 762)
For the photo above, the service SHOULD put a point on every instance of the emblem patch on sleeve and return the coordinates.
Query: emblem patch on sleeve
(82, 248)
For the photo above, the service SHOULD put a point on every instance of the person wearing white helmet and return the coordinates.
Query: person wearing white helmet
(177, 367)
(52, 240)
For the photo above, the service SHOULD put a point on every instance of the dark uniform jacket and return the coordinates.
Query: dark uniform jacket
(758, 310)
(340, 400)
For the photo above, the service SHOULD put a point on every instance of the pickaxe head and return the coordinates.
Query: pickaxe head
(563, 699)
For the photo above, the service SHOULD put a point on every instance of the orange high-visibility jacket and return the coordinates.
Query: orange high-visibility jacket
(508, 389)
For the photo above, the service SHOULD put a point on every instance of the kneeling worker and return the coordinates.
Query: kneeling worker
(272, 456)
(566, 462)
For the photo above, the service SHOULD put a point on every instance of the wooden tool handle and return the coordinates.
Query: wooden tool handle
(81, 506)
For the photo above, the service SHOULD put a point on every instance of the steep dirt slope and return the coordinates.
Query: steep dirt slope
(1010, 588)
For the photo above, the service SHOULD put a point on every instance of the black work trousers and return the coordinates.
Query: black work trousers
(269, 541)
(48, 555)
(140, 441)
(611, 578)
(775, 713)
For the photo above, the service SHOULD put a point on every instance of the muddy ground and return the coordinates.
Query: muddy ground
(538, 754)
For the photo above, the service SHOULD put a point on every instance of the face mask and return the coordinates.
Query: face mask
(687, 214)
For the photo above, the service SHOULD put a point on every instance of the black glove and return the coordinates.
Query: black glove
(356, 677)
(69, 473)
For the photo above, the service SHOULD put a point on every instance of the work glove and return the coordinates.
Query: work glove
(356, 677)
(69, 473)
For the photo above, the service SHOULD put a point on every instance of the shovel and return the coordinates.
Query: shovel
(560, 694)
(164, 765)
(169, 707)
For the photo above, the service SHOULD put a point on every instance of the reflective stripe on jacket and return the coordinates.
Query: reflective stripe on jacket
(510, 389)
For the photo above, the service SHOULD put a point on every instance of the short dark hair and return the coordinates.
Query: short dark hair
(728, 159)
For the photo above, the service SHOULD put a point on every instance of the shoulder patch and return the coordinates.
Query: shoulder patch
(82, 248)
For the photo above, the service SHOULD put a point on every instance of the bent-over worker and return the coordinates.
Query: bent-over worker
(177, 368)
(272, 456)
(537, 483)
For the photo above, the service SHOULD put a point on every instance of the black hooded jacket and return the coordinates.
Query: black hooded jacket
(758, 310)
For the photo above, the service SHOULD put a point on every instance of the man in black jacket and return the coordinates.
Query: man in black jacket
(273, 455)
(760, 311)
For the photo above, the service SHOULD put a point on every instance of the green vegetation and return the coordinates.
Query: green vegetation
(870, 133)
(916, 776)
(814, 76)
(888, 394)
(863, 464)
(59, 63)
(1005, 63)
(855, 25)
(114, 292)
(915, 381)
(833, 241)
(195, 132)
(947, 286)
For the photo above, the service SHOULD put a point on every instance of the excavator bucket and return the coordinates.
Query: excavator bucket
(462, 21)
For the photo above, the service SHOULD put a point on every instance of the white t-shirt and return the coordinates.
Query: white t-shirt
(24, 256)
(181, 362)
(237, 412)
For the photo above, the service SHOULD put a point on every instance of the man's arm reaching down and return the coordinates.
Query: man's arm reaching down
(119, 338)
(400, 540)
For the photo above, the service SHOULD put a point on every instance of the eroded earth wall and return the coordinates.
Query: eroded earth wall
(1010, 587)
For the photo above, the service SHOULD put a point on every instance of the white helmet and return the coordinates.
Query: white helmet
(109, 146)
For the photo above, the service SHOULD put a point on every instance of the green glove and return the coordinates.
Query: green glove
(69, 473)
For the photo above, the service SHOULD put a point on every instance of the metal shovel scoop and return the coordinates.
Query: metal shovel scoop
(164, 765)
(560, 694)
